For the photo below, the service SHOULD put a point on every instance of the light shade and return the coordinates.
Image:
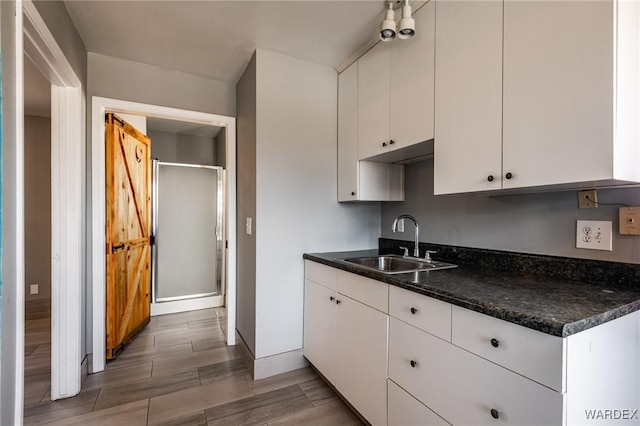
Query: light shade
(407, 25)
(388, 26)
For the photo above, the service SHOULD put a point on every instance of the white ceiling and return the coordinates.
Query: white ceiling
(215, 39)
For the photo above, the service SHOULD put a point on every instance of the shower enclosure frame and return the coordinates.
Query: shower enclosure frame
(199, 300)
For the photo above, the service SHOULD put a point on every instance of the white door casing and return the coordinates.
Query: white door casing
(99, 107)
(67, 170)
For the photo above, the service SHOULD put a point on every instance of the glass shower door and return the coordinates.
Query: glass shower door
(188, 207)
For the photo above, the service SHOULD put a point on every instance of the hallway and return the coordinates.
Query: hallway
(178, 371)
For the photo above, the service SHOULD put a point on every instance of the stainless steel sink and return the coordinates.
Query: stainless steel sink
(395, 264)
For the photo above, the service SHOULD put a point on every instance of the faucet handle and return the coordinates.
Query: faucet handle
(406, 251)
(427, 255)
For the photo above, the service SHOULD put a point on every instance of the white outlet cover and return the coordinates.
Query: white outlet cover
(248, 226)
(594, 235)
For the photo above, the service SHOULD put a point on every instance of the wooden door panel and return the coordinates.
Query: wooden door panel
(128, 192)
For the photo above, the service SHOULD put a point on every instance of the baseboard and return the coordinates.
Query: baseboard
(262, 368)
(84, 367)
(278, 364)
(244, 352)
(164, 308)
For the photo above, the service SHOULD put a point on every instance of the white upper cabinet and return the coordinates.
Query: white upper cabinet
(348, 134)
(411, 93)
(373, 101)
(560, 81)
(395, 91)
(545, 95)
(468, 115)
(361, 180)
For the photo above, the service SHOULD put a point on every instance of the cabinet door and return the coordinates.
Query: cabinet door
(558, 91)
(468, 96)
(348, 134)
(319, 328)
(463, 388)
(405, 410)
(412, 83)
(373, 102)
(361, 364)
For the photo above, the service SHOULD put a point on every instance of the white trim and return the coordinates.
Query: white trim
(278, 364)
(67, 147)
(12, 377)
(99, 107)
(163, 308)
(66, 241)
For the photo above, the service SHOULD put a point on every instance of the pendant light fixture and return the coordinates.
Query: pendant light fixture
(407, 25)
(388, 26)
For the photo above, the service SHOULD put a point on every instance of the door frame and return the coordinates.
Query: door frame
(99, 107)
(67, 175)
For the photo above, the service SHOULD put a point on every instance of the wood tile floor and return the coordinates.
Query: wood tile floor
(178, 371)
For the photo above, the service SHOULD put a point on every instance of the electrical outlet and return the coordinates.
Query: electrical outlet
(33, 289)
(588, 199)
(629, 221)
(248, 226)
(594, 235)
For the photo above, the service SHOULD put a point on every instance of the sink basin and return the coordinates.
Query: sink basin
(395, 264)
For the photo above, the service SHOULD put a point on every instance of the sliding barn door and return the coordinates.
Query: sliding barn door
(128, 177)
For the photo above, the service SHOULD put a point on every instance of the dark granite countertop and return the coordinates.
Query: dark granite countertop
(552, 305)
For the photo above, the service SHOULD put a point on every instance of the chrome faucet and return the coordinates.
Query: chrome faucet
(394, 227)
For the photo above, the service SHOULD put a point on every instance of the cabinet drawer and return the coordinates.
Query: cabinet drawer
(405, 410)
(426, 313)
(464, 388)
(536, 355)
(365, 290)
(321, 274)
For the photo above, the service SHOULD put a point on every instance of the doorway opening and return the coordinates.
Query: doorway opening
(100, 106)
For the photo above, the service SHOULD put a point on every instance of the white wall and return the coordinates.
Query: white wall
(543, 223)
(296, 199)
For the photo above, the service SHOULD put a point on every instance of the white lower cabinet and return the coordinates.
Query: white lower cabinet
(361, 358)
(346, 338)
(320, 328)
(463, 388)
(405, 410)
(401, 358)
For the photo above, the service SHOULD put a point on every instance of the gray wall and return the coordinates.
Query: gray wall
(132, 81)
(221, 148)
(37, 205)
(179, 148)
(296, 181)
(246, 199)
(543, 223)
(55, 15)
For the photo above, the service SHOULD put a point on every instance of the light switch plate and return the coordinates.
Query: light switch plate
(248, 226)
(629, 221)
(594, 235)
